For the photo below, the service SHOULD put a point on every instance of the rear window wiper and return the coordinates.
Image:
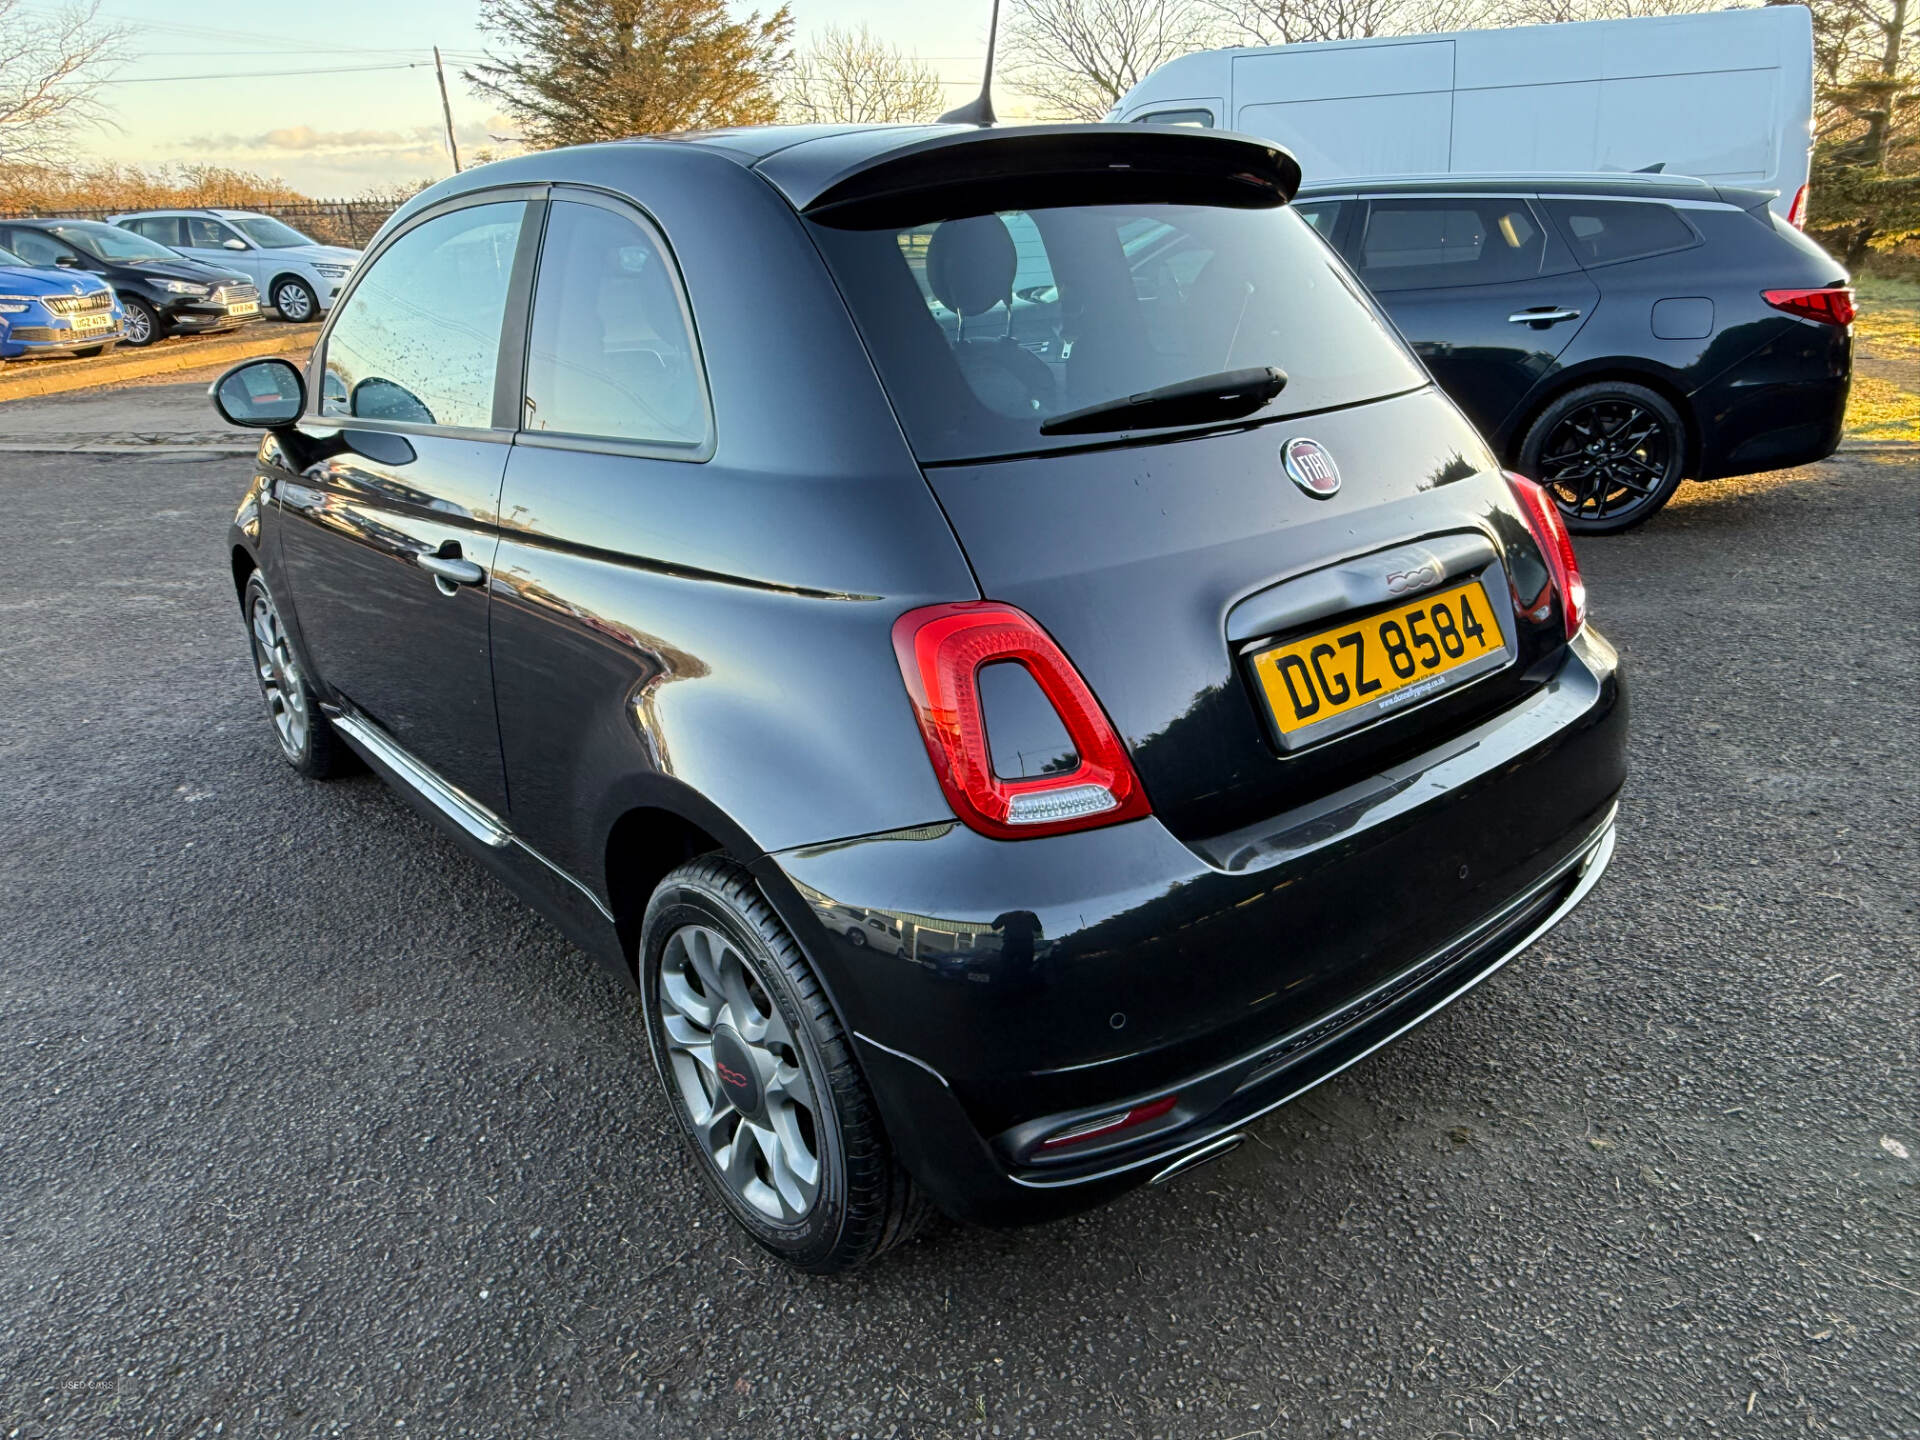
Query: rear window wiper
(1225, 396)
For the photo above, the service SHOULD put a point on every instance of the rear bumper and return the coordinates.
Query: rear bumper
(1022, 987)
(1784, 405)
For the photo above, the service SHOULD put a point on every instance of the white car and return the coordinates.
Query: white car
(299, 277)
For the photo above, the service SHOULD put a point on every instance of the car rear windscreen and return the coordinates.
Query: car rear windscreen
(984, 326)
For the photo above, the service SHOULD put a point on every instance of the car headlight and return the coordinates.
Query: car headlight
(332, 272)
(182, 287)
(14, 304)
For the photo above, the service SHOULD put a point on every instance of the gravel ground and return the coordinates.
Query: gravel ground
(308, 1128)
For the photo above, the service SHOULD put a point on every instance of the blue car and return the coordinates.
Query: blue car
(54, 312)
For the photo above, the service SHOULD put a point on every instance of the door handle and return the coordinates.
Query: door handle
(1544, 315)
(450, 571)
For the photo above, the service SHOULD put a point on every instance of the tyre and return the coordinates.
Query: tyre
(1611, 454)
(91, 351)
(307, 741)
(295, 300)
(762, 1079)
(143, 325)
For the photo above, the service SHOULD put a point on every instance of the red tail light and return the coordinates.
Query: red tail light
(1797, 211)
(941, 649)
(1109, 1124)
(1831, 306)
(1556, 545)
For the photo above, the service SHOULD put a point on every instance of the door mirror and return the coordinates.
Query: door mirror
(67, 262)
(235, 243)
(259, 395)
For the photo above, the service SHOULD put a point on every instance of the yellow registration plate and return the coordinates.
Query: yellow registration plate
(1386, 661)
(87, 324)
(244, 307)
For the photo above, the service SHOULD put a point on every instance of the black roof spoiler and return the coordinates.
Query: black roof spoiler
(972, 170)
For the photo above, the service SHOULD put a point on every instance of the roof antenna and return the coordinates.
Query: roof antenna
(979, 110)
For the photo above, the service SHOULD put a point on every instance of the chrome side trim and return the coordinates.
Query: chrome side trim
(567, 876)
(459, 807)
(1590, 867)
(902, 1055)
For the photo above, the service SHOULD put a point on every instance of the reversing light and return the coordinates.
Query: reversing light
(1110, 1124)
(1830, 305)
(1549, 529)
(942, 649)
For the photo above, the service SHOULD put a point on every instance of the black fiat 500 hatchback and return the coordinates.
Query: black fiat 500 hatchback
(988, 632)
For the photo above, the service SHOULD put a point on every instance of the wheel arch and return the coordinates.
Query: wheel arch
(1657, 378)
(643, 845)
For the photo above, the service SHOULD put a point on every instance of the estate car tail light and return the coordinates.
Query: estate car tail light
(1556, 547)
(1831, 305)
(942, 649)
(1797, 211)
(1106, 1125)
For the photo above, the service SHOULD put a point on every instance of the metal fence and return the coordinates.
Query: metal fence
(331, 222)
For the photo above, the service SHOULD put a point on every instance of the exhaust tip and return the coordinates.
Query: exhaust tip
(1195, 1158)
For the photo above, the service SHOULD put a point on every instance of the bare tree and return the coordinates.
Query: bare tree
(847, 76)
(1077, 57)
(50, 69)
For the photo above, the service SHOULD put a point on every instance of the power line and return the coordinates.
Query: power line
(266, 74)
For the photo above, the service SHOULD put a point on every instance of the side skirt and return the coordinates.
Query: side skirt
(487, 837)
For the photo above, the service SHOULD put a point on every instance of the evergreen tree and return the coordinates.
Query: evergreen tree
(576, 71)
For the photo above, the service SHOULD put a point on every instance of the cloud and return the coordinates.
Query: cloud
(307, 140)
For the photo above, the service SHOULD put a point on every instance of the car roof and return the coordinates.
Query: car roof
(47, 222)
(193, 210)
(1636, 185)
(814, 166)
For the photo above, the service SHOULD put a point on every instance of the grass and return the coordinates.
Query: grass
(1885, 400)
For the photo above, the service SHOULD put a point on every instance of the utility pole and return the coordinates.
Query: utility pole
(447, 110)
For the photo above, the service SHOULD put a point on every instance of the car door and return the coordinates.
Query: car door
(1481, 287)
(207, 240)
(615, 420)
(387, 542)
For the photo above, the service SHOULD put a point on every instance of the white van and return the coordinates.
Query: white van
(1726, 97)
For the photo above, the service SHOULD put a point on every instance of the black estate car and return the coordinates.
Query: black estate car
(163, 293)
(1609, 335)
(1003, 765)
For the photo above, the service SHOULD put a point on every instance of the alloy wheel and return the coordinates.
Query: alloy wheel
(279, 676)
(1606, 460)
(740, 1073)
(293, 302)
(139, 325)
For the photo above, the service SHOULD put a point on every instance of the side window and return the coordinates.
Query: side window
(37, 248)
(166, 229)
(1418, 244)
(420, 338)
(1198, 119)
(610, 353)
(206, 234)
(1604, 231)
(1322, 215)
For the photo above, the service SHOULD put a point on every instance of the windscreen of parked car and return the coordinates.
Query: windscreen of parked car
(985, 326)
(111, 243)
(268, 233)
(11, 261)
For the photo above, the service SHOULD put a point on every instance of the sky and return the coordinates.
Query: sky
(343, 131)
